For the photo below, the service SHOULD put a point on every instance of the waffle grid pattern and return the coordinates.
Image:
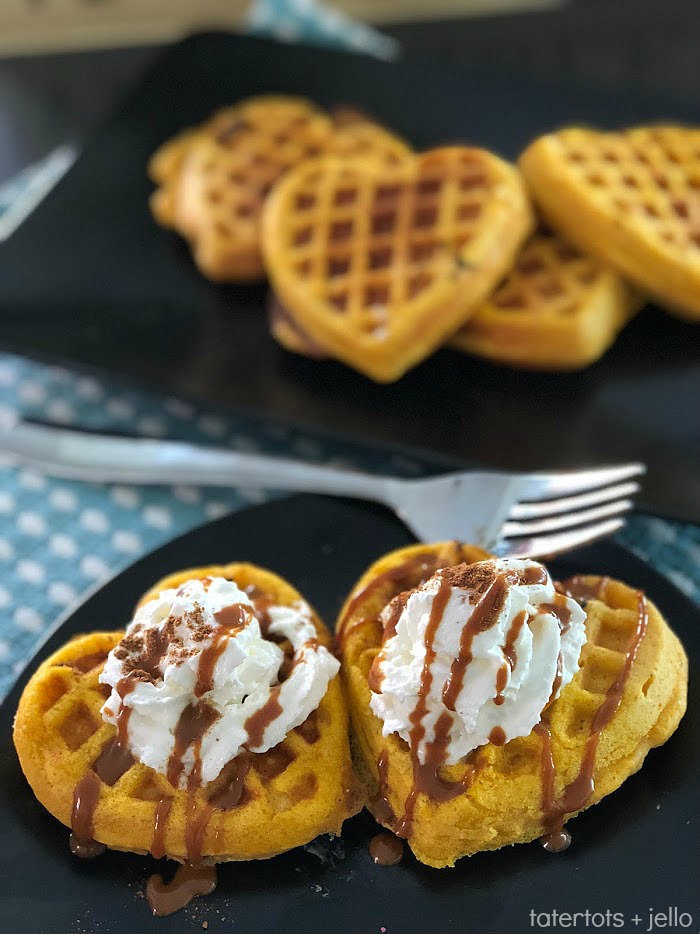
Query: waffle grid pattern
(72, 711)
(365, 243)
(651, 176)
(556, 309)
(251, 146)
(549, 278)
(504, 803)
(213, 180)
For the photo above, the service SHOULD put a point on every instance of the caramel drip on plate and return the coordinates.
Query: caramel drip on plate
(483, 617)
(85, 797)
(188, 882)
(497, 736)
(159, 827)
(386, 849)
(578, 792)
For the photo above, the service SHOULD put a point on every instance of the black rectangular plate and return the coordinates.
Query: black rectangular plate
(91, 277)
(652, 818)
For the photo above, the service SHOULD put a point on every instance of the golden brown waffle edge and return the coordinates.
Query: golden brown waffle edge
(503, 805)
(301, 788)
(380, 265)
(631, 199)
(557, 309)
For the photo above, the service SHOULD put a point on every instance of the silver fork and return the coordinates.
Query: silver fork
(533, 515)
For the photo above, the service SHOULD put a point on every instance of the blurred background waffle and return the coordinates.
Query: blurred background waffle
(214, 180)
(557, 308)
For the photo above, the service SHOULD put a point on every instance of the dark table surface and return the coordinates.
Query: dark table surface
(67, 306)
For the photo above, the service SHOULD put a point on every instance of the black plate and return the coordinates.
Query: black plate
(91, 277)
(322, 546)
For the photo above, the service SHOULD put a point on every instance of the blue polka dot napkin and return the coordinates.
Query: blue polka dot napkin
(59, 538)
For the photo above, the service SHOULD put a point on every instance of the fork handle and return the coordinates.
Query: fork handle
(79, 455)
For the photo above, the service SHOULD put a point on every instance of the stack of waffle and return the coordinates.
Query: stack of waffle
(377, 255)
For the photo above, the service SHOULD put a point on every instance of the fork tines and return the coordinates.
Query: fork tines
(560, 511)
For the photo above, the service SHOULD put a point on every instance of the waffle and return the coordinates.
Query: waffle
(631, 199)
(556, 310)
(212, 180)
(379, 264)
(164, 168)
(503, 800)
(289, 334)
(357, 135)
(298, 789)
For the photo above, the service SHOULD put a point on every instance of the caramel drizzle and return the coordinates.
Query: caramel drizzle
(425, 562)
(501, 682)
(425, 775)
(258, 722)
(483, 617)
(261, 605)
(578, 792)
(231, 794)
(188, 882)
(512, 637)
(231, 619)
(381, 808)
(196, 719)
(86, 795)
(113, 761)
(581, 590)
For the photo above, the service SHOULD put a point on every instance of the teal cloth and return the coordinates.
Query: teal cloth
(60, 538)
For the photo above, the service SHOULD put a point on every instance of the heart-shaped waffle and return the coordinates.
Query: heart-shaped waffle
(506, 793)
(285, 797)
(227, 173)
(379, 265)
(631, 199)
(213, 179)
(556, 310)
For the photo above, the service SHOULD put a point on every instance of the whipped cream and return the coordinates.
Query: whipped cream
(486, 645)
(177, 654)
